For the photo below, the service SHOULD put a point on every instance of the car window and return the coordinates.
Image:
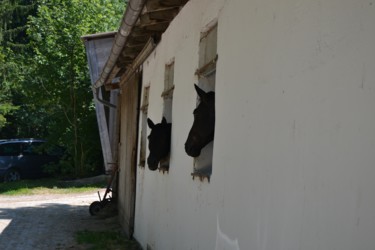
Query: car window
(10, 149)
(33, 148)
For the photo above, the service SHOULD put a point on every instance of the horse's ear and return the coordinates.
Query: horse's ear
(150, 123)
(202, 95)
(200, 92)
(164, 121)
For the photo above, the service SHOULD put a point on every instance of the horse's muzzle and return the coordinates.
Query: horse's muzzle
(192, 151)
(152, 163)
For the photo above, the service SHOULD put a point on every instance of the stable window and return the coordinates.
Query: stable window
(206, 74)
(144, 108)
(167, 96)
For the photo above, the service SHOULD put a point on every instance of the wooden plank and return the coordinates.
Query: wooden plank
(128, 153)
(97, 50)
(156, 4)
(103, 132)
(156, 26)
(163, 14)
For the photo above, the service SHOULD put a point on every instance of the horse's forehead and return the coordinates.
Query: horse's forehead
(210, 94)
(204, 107)
(159, 129)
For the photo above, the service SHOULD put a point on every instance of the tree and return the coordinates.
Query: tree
(57, 82)
(13, 45)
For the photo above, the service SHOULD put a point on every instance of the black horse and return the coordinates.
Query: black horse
(159, 142)
(203, 129)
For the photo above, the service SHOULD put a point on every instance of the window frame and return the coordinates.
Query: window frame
(144, 113)
(206, 78)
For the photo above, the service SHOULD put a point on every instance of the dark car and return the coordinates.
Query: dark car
(24, 159)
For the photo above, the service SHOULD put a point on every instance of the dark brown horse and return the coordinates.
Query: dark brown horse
(203, 129)
(159, 142)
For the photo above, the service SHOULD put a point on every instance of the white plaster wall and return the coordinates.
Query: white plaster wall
(294, 150)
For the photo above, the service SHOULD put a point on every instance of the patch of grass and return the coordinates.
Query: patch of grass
(105, 240)
(46, 186)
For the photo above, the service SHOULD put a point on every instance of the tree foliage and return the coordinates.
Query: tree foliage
(13, 44)
(52, 86)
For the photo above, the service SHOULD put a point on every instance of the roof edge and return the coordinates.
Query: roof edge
(130, 17)
(98, 35)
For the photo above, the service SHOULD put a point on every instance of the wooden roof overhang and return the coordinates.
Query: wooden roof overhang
(135, 41)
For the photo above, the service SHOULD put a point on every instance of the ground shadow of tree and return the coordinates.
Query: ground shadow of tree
(48, 226)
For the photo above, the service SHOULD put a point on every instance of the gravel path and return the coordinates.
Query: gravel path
(48, 222)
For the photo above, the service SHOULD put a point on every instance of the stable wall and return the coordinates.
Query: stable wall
(294, 147)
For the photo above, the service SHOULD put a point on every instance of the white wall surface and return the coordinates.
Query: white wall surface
(294, 149)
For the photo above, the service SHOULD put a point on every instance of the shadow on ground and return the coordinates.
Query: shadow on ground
(50, 225)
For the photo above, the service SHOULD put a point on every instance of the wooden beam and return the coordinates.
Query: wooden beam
(156, 4)
(166, 14)
(156, 26)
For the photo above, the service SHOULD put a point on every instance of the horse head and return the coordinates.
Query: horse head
(203, 129)
(159, 142)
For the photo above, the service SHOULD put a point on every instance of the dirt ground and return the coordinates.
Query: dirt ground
(49, 221)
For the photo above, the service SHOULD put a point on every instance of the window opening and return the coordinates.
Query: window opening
(34, 148)
(144, 109)
(206, 74)
(167, 96)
